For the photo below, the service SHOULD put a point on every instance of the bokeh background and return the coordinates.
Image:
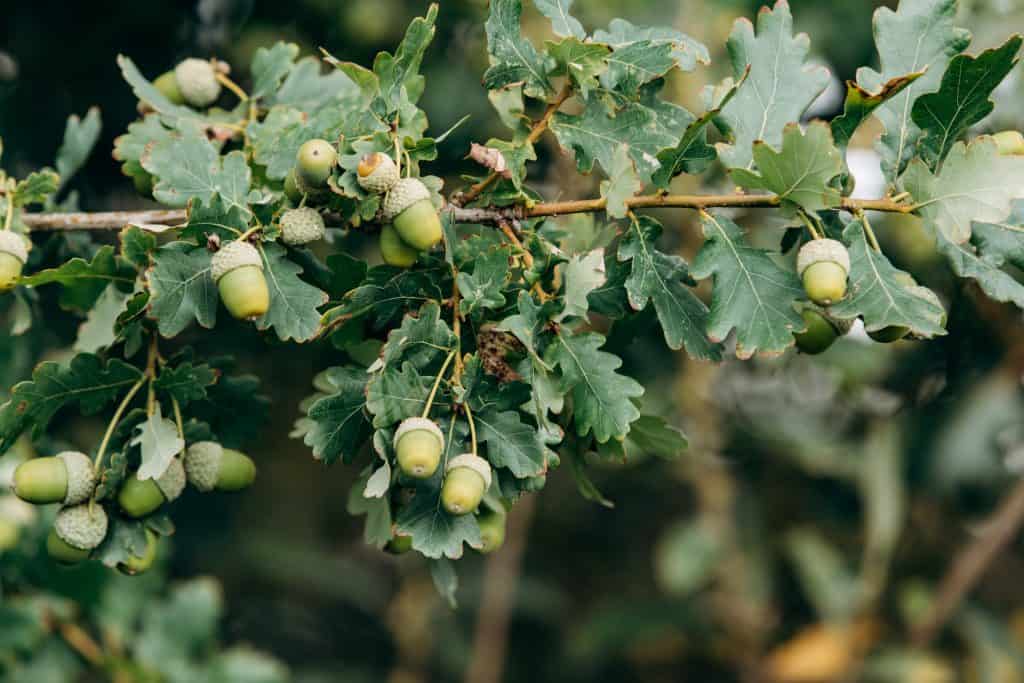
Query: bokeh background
(800, 536)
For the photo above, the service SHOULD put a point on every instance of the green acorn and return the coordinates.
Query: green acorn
(77, 530)
(197, 82)
(466, 479)
(140, 497)
(238, 271)
(137, 564)
(315, 161)
(823, 266)
(301, 226)
(822, 330)
(209, 466)
(67, 478)
(399, 545)
(394, 251)
(492, 530)
(377, 173)
(167, 84)
(418, 447)
(408, 206)
(1010, 142)
(13, 255)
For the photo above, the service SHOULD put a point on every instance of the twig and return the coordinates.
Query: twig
(970, 564)
(82, 643)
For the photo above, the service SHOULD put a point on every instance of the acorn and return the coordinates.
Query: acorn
(197, 82)
(823, 266)
(394, 251)
(140, 497)
(315, 161)
(1010, 142)
(822, 330)
(67, 478)
(377, 173)
(167, 84)
(77, 530)
(137, 564)
(301, 226)
(238, 271)
(209, 466)
(13, 255)
(408, 206)
(467, 478)
(492, 530)
(418, 446)
(399, 545)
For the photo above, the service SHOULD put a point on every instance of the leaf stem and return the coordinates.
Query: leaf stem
(810, 225)
(226, 81)
(112, 425)
(9, 218)
(869, 231)
(177, 418)
(437, 383)
(472, 426)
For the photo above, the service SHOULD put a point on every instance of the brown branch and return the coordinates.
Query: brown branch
(970, 564)
(82, 643)
(104, 220)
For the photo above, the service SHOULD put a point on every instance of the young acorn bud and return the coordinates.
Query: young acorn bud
(415, 218)
(167, 84)
(137, 564)
(13, 254)
(823, 266)
(77, 530)
(238, 271)
(399, 545)
(394, 251)
(139, 497)
(377, 173)
(67, 478)
(315, 161)
(197, 82)
(1010, 142)
(466, 479)
(209, 466)
(418, 446)
(492, 530)
(301, 226)
(822, 330)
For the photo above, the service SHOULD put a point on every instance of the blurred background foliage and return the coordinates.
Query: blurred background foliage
(800, 538)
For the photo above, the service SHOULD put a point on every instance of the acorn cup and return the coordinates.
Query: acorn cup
(13, 255)
(394, 251)
(418, 446)
(822, 330)
(238, 271)
(467, 478)
(301, 226)
(377, 173)
(140, 497)
(209, 466)
(823, 266)
(197, 82)
(138, 564)
(67, 478)
(492, 530)
(76, 532)
(408, 207)
(315, 161)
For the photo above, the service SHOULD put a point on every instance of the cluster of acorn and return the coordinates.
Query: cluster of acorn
(419, 444)
(70, 478)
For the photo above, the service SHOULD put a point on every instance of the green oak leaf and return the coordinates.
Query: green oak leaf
(137, 245)
(623, 183)
(968, 263)
(482, 289)
(338, 424)
(377, 529)
(129, 147)
(84, 281)
(277, 138)
(652, 435)
(293, 303)
(610, 299)
(582, 63)
(80, 137)
(800, 173)
(97, 332)
(1001, 243)
(159, 441)
(36, 188)
(581, 275)
(631, 65)
(877, 295)
(528, 324)
(752, 293)
(173, 114)
(181, 287)
(976, 183)
(511, 443)
(394, 394)
(602, 399)
(944, 116)
(387, 292)
(777, 91)
(234, 407)
(308, 88)
(660, 278)
(270, 66)
(860, 104)
(186, 381)
(562, 22)
(517, 154)
(686, 51)
(514, 60)
(214, 217)
(400, 73)
(936, 41)
(126, 538)
(421, 339)
(86, 380)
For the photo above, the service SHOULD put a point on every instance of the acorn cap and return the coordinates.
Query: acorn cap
(80, 527)
(817, 251)
(301, 226)
(81, 477)
(234, 255)
(172, 482)
(202, 464)
(377, 173)
(411, 424)
(197, 81)
(473, 462)
(14, 244)
(404, 194)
